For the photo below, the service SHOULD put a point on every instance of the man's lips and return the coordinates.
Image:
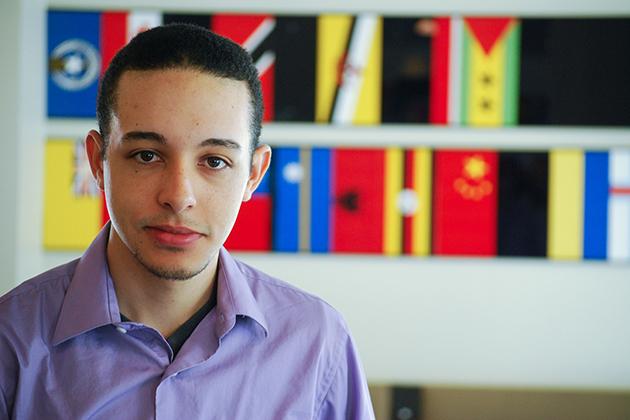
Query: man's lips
(173, 235)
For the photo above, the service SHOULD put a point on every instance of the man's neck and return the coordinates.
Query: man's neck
(163, 306)
(160, 303)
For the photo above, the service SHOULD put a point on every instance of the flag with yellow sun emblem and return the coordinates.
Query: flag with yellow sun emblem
(465, 203)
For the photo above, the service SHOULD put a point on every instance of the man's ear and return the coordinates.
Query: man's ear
(94, 149)
(260, 164)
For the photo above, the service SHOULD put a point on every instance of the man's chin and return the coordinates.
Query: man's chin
(170, 272)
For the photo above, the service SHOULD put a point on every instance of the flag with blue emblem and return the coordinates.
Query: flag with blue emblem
(74, 63)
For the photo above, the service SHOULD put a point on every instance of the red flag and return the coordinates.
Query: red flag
(252, 230)
(465, 203)
(359, 183)
(113, 35)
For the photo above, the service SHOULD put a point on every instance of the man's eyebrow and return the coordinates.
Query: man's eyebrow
(230, 144)
(152, 136)
(144, 135)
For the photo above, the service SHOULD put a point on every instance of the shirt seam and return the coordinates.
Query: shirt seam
(228, 287)
(31, 287)
(4, 398)
(331, 376)
(287, 287)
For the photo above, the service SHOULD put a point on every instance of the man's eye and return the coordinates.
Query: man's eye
(146, 156)
(215, 162)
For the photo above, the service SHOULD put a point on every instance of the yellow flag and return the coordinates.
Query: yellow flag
(565, 224)
(73, 205)
(349, 69)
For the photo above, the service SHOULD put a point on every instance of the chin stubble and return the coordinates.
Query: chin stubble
(168, 273)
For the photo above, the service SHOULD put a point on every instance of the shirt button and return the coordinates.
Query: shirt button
(122, 330)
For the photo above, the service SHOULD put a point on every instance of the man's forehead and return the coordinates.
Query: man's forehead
(130, 78)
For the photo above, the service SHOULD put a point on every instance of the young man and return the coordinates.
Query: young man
(157, 320)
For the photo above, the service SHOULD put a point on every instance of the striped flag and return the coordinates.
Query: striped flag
(254, 34)
(302, 199)
(349, 69)
(589, 205)
(490, 67)
(415, 201)
(252, 230)
(465, 203)
(74, 207)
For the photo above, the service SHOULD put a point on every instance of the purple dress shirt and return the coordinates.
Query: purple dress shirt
(266, 351)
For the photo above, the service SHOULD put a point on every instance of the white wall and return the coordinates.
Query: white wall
(530, 323)
(453, 321)
(22, 134)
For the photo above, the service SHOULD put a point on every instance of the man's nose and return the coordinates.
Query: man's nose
(177, 190)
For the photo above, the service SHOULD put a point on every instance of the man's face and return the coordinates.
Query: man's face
(177, 168)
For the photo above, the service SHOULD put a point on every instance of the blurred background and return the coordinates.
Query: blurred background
(453, 177)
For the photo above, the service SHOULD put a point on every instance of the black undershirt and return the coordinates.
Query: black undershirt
(179, 337)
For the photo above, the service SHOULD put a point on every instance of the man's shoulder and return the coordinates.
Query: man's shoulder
(276, 296)
(47, 285)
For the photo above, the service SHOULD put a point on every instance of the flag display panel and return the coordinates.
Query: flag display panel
(370, 69)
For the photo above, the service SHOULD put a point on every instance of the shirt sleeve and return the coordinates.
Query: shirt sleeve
(348, 397)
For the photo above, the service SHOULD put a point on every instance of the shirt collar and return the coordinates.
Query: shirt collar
(235, 296)
(90, 301)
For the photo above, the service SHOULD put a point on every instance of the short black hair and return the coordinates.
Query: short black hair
(180, 46)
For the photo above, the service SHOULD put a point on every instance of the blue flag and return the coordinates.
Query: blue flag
(74, 63)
